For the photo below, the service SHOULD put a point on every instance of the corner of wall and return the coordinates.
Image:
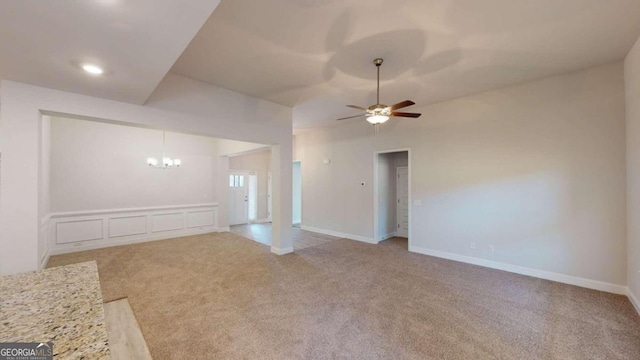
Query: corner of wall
(632, 107)
(634, 299)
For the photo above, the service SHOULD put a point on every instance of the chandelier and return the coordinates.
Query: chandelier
(167, 162)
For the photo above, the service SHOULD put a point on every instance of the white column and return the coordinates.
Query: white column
(19, 188)
(281, 172)
(222, 192)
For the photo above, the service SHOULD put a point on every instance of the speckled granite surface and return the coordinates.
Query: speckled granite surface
(62, 305)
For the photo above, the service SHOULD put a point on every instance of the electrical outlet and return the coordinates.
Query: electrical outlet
(491, 248)
(472, 245)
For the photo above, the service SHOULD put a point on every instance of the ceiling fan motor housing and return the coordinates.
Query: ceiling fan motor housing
(380, 113)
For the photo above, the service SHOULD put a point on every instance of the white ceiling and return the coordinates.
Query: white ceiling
(43, 42)
(316, 55)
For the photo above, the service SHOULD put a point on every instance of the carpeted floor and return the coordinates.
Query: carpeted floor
(222, 296)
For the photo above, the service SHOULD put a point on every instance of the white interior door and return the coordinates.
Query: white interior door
(402, 194)
(238, 198)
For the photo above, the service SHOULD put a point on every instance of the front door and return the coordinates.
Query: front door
(402, 192)
(238, 198)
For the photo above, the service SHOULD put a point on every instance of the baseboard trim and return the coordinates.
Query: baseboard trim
(45, 259)
(634, 300)
(365, 239)
(260, 221)
(223, 229)
(542, 274)
(388, 236)
(71, 248)
(284, 251)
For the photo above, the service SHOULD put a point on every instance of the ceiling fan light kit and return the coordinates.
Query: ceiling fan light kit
(377, 119)
(379, 113)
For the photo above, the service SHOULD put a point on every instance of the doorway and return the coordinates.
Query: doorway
(238, 197)
(392, 195)
(296, 196)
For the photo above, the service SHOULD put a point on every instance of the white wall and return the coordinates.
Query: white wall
(178, 93)
(632, 87)
(536, 170)
(179, 104)
(232, 147)
(97, 166)
(333, 197)
(260, 162)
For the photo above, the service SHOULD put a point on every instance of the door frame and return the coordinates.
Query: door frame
(397, 199)
(376, 235)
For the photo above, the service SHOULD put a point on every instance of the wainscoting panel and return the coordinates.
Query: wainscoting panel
(200, 218)
(126, 226)
(79, 230)
(167, 222)
(85, 230)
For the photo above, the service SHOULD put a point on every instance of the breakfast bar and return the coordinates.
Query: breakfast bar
(62, 305)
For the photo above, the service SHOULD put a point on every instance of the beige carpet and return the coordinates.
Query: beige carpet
(222, 296)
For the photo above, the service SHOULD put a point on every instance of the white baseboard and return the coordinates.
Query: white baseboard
(339, 234)
(45, 259)
(223, 229)
(260, 221)
(284, 251)
(71, 248)
(634, 300)
(542, 274)
(388, 236)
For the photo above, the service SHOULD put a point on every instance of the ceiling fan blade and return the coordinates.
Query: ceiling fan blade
(357, 107)
(400, 105)
(405, 114)
(351, 117)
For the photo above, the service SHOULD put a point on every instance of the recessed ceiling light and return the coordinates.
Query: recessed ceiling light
(92, 69)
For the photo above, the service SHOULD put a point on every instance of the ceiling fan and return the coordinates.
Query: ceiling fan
(379, 113)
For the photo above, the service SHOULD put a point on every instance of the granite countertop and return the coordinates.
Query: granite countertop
(62, 305)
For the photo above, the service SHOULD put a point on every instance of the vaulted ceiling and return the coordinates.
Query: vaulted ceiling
(313, 55)
(317, 55)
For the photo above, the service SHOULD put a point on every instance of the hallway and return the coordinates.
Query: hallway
(261, 233)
